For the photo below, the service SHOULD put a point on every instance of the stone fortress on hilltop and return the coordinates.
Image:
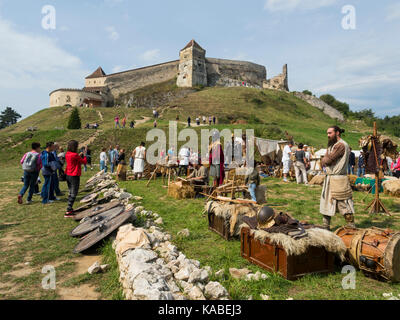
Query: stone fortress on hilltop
(192, 69)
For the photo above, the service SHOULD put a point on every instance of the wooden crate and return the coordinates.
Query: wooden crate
(274, 258)
(217, 224)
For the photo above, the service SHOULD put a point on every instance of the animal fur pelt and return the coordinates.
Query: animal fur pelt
(317, 180)
(316, 238)
(392, 187)
(232, 213)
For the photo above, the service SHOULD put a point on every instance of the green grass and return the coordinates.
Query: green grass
(300, 201)
(39, 234)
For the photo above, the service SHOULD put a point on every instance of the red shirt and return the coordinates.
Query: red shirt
(74, 162)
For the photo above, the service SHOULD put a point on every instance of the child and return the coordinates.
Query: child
(31, 165)
(48, 170)
(73, 172)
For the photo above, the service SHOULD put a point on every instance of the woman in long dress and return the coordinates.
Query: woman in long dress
(140, 155)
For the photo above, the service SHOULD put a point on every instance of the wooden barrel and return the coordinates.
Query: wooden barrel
(375, 251)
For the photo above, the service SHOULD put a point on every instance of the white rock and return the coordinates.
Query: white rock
(184, 233)
(160, 261)
(215, 290)
(198, 275)
(173, 249)
(386, 295)
(239, 273)
(195, 262)
(196, 294)
(104, 267)
(159, 221)
(138, 209)
(183, 274)
(289, 298)
(220, 273)
(94, 268)
(264, 276)
(173, 287)
(142, 255)
(181, 257)
(208, 268)
(264, 297)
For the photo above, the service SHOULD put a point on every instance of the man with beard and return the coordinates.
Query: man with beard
(337, 194)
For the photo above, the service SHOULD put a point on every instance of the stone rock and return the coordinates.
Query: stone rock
(195, 262)
(159, 221)
(167, 237)
(142, 255)
(183, 274)
(184, 233)
(220, 273)
(138, 209)
(215, 290)
(104, 267)
(201, 286)
(289, 298)
(181, 257)
(239, 273)
(196, 294)
(94, 268)
(264, 297)
(173, 287)
(160, 261)
(173, 249)
(208, 269)
(264, 276)
(137, 198)
(198, 275)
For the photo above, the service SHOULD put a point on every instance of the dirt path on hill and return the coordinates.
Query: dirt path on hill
(92, 138)
(145, 119)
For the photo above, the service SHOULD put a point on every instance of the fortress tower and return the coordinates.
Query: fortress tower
(192, 70)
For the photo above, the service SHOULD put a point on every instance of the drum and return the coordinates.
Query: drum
(375, 251)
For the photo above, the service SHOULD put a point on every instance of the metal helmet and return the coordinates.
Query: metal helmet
(265, 215)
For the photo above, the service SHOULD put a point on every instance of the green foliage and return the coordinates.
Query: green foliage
(338, 105)
(74, 121)
(307, 92)
(8, 117)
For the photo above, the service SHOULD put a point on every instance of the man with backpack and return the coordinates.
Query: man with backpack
(55, 174)
(31, 164)
(48, 169)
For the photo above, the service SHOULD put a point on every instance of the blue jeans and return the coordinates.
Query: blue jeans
(48, 189)
(350, 170)
(103, 166)
(252, 190)
(56, 183)
(112, 167)
(360, 172)
(30, 179)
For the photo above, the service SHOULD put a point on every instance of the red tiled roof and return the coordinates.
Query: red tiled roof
(97, 74)
(192, 43)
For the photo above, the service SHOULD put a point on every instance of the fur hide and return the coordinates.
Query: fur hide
(316, 238)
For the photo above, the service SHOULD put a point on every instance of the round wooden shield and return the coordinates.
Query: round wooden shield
(99, 208)
(93, 222)
(102, 231)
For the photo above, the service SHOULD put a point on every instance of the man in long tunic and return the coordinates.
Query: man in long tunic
(337, 194)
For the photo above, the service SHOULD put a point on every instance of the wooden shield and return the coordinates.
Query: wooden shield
(102, 231)
(89, 198)
(99, 208)
(93, 222)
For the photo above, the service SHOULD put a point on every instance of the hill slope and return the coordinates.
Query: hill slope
(270, 113)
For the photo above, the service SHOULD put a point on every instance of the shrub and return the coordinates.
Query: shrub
(74, 121)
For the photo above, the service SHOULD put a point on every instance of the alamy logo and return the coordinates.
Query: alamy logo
(49, 281)
(349, 20)
(49, 20)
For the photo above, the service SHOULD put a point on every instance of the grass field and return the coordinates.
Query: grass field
(39, 235)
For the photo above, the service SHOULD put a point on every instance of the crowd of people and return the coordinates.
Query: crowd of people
(122, 123)
(199, 119)
(50, 162)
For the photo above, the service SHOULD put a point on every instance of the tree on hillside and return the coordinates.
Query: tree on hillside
(338, 105)
(307, 92)
(74, 121)
(8, 117)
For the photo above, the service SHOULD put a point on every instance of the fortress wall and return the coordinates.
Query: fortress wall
(221, 71)
(73, 97)
(124, 82)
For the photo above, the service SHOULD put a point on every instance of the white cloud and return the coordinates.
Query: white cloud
(112, 33)
(116, 69)
(32, 61)
(151, 55)
(393, 12)
(289, 5)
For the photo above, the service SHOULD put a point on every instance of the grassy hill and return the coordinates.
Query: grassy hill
(270, 113)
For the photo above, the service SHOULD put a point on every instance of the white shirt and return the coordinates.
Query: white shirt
(308, 155)
(286, 153)
(139, 153)
(103, 156)
(184, 154)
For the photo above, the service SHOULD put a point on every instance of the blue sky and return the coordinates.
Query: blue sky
(361, 66)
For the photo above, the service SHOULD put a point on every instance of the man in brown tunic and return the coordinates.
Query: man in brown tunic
(336, 194)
